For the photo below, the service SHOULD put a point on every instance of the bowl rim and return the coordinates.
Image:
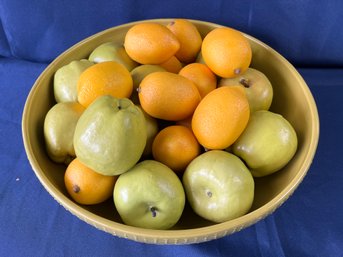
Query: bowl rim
(174, 236)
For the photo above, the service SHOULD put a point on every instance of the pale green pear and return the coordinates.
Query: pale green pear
(111, 51)
(258, 88)
(267, 144)
(65, 80)
(110, 135)
(59, 127)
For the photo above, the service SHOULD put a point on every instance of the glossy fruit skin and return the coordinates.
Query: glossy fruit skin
(189, 38)
(86, 186)
(150, 43)
(175, 146)
(65, 80)
(172, 65)
(168, 96)
(221, 117)
(258, 88)
(226, 52)
(138, 74)
(218, 186)
(202, 77)
(111, 135)
(149, 195)
(59, 127)
(105, 78)
(111, 51)
(268, 143)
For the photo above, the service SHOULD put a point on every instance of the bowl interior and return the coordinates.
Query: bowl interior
(292, 99)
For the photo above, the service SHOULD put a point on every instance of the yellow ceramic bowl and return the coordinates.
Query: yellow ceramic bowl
(292, 99)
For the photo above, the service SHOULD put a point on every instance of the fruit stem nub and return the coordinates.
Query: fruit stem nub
(153, 211)
(237, 71)
(76, 188)
(245, 82)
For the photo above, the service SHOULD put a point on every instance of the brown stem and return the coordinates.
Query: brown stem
(245, 82)
(153, 211)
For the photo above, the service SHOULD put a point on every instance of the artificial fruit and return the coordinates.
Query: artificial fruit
(267, 144)
(111, 135)
(258, 88)
(150, 195)
(218, 186)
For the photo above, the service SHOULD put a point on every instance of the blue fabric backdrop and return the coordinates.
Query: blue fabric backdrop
(305, 32)
(308, 33)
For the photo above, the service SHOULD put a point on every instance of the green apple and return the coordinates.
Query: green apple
(65, 80)
(110, 135)
(111, 51)
(218, 186)
(267, 144)
(59, 127)
(150, 195)
(257, 87)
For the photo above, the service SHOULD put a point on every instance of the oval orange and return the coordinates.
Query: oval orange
(221, 117)
(105, 78)
(168, 96)
(150, 43)
(204, 79)
(172, 65)
(85, 185)
(189, 38)
(226, 51)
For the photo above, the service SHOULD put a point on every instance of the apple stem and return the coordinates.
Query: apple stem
(153, 211)
(245, 82)
(209, 194)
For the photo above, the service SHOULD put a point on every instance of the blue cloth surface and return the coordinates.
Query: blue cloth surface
(32, 33)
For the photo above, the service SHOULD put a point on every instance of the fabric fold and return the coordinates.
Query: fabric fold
(4, 46)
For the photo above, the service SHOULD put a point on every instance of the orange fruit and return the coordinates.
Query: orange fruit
(226, 52)
(221, 117)
(189, 38)
(201, 75)
(172, 65)
(150, 43)
(168, 96)
(138, 75)
(175, 146)
(86, 186)
(187, 122)
(105, 78)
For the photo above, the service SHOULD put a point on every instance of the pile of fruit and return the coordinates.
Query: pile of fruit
(164, 117)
